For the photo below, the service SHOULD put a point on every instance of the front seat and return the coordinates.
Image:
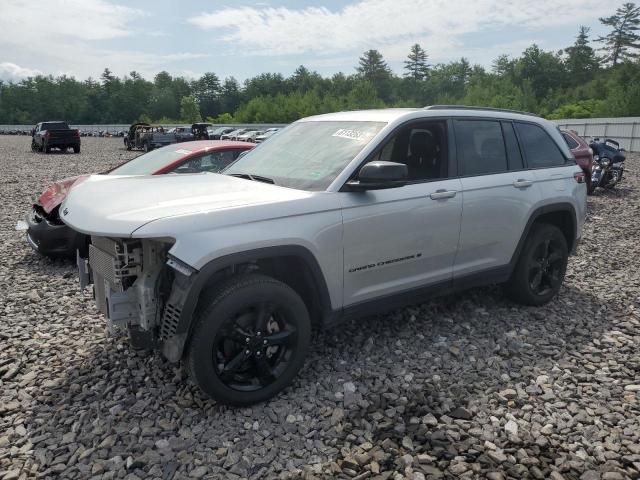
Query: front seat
(423, 156)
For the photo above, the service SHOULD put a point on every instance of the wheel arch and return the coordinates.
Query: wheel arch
(294, 265)
(561, 215)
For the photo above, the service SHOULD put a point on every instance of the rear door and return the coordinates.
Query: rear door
(552, 171)
(498, 195)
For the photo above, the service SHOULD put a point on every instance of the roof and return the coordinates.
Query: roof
(203, 145)
(389, 115)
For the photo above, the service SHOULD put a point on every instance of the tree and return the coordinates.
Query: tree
(416, 64)
(623, 41)
(372, 68)
(581, 58)
(207, 92)
(189, 111)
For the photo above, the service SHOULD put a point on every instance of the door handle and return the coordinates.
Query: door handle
(440, 194)
(522, 183)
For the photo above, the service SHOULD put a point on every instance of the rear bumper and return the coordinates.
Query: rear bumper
(63, 142)
(50, 239)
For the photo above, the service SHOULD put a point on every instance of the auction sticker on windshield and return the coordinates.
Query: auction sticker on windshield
(352, 134)
(183, 151)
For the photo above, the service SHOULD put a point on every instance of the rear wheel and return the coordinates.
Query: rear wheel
(540, 270)
(250, 340)
(76, 149)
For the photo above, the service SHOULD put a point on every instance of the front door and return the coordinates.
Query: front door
(403, 238)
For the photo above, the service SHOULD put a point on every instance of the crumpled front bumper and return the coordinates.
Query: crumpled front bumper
(50, 238)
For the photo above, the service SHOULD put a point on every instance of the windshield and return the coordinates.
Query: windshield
(307, 155)
(149, 163)
(54, 126)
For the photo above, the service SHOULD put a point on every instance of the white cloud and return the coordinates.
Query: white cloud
(390, 25)
(45, 23)
(73, 37)
(14, 73)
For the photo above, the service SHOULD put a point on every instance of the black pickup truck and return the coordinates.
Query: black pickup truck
(48, 135)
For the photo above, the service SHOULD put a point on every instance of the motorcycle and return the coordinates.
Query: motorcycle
(608, 163)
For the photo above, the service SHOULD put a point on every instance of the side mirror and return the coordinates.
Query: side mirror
(380, 175)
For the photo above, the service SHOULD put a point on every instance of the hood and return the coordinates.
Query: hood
(115, 205)
(55, 193)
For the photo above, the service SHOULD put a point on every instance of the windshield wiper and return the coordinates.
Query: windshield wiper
(255, 178)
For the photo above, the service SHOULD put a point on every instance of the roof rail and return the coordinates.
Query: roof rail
(466, 107)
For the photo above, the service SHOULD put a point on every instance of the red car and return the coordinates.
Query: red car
(583, 153)
(48, 235)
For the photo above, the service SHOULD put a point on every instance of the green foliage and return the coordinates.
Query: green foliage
(189, 111)
(569, 83)
(580, 109)
(416, 64)
(622, 42)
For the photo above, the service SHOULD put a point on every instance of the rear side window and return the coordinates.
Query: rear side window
(571, 143)
(481, 147)
(513, 150)
(539, 148)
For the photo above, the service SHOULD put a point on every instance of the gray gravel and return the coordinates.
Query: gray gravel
(466, 386)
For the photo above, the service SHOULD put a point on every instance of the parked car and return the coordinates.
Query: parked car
(268, 133)
(216, 133)
(583, 154)
(183, 134)
(200, 131)
(48, 135)
(48, 235)
(337, 216)
(249, 136)
(233, 134)
(147, 137)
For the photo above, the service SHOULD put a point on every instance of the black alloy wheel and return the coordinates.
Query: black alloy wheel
(546, 268)
(254, 347)
(249, 341)
(538, 275)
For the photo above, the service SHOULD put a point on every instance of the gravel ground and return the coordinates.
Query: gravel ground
(466, 386)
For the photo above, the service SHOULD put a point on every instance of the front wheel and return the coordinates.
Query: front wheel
(250, 340)
(147, 147)
(541, 266)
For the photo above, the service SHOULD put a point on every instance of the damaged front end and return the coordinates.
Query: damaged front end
(138, 287)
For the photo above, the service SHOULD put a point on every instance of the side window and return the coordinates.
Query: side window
(539, 148)
(212, 162)
(513, 150)
(571, 143)
(422, 147)
(481, 147)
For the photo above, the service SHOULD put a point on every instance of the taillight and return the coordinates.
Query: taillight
(579, 177)
(76, 133)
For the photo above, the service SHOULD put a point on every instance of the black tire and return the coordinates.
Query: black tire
(76, 149)
(46, 148)
(147, 147)
(540, 270)
(227, 336)
(34, 147)
(127, 144)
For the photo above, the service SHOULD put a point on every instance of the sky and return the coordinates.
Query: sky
(242, 39)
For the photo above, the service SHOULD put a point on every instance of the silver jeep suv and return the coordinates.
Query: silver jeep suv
(336, 216)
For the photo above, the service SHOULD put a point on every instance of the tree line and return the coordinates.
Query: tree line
(592, 78)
